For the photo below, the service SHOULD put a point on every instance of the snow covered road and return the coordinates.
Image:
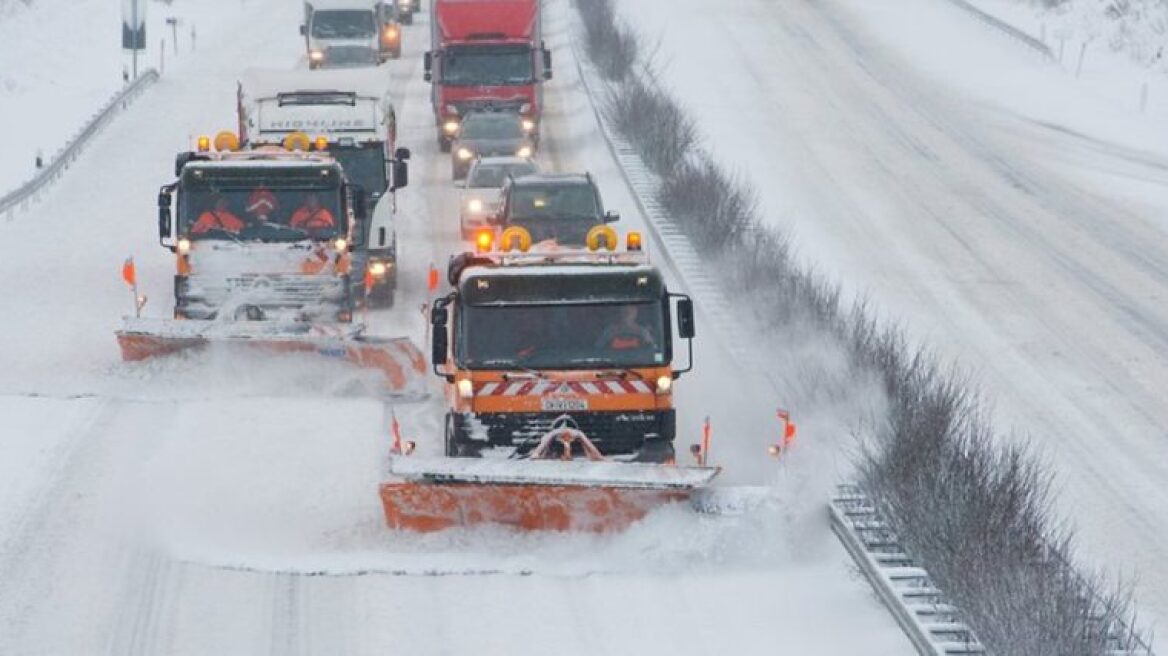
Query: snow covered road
(1030, 253)
(226, 503)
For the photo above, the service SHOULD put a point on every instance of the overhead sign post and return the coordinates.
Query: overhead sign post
(134, 29)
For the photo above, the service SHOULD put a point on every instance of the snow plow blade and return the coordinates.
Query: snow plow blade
(396, 357)
(542, 495)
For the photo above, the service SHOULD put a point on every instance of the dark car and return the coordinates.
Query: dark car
(486, 134)
(560, 207)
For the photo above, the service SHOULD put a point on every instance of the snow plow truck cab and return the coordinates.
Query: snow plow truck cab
(579, 337)
(263, 243)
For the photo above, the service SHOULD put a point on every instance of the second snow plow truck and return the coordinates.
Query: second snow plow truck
(262, 242)
(559, 370)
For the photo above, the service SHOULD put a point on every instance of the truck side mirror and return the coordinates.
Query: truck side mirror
(401, 174)
(685, 318)
(303, 30)
(427, 65)
(164, 219)
(547, 64)
(439, 344)
(611, 216)
(401, 154)
(360, 207)
(381, 236)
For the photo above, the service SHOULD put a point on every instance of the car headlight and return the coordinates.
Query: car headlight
(465, 153)
(378, 269)
(474, 205)
(450, 127)
(524, 151)
(316, 55)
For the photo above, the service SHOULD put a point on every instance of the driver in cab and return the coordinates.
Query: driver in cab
(312, 216)
(218, 217)
(627, 334)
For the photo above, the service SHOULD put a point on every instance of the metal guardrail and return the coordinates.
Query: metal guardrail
(1006, 28)
(22, 196)
(932, 625)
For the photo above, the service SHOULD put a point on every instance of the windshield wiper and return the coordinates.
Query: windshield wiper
(508, 363)
(621, 371)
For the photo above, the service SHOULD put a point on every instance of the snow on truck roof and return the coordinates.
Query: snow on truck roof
(262, 84)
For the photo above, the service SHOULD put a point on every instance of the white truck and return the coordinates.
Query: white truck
(349, 33)
(349, 114)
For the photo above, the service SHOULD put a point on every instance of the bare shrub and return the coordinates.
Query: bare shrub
(652, 121)
(610, 45)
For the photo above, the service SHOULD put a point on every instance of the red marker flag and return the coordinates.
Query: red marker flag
(789, 428)
(129, 273)
(432, 279)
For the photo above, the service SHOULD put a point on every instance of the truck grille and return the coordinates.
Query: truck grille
(614, 433)
(306, 296)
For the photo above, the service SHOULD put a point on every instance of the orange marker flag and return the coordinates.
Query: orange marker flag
(432, 279)
(706, 430)
(395, 427)
(129, 273)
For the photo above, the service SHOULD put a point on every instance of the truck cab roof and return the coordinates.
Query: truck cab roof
(486, 20)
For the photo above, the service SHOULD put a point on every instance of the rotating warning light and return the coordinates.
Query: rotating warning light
(204, 144)
(322, 142)
(483, 241)
(633, 241)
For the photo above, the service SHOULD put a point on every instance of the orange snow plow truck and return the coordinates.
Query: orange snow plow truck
(559, 370)
(262, 241)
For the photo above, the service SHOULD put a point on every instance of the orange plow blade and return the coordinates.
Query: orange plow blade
(436, 494)
(397, 358)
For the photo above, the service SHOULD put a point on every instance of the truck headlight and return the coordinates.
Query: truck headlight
(524, 151)
(465, 388)
(528, 125)
(316, 55)
(184, 246)
(465, 153)
(664, 384)
(340, 244)
(450, 126)
(378, 269)
(474, 205)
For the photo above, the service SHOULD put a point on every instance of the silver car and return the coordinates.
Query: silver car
(485, 178)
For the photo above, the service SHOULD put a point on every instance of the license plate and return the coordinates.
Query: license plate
(562, 404)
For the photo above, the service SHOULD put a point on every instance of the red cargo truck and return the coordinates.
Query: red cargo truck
(486, 55)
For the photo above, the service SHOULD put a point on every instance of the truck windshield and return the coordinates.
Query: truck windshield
(586, 336)
(343, 24)
(266, 205)
(363, 166)
(497, 65)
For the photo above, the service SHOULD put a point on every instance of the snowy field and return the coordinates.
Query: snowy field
(1001, 210)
